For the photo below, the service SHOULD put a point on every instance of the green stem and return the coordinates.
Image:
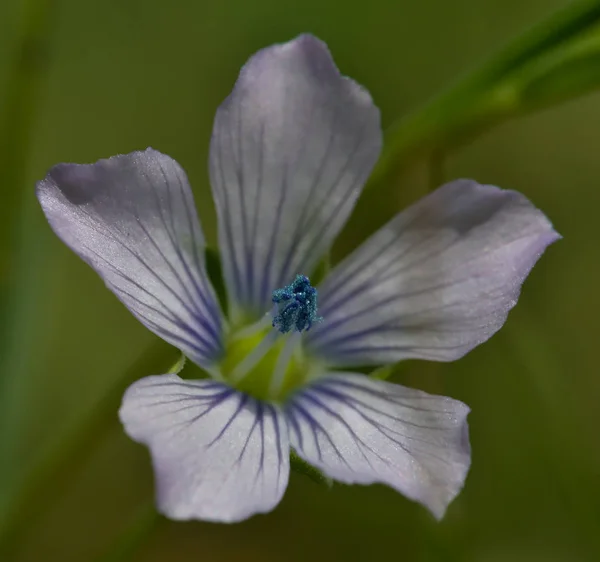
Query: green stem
(24, 79)
(63, 460)
(497, 90)
(134, 535)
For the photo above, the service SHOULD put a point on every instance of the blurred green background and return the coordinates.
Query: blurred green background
(112, 76)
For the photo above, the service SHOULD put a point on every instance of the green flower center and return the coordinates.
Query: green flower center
(266, 359)
(266, 364)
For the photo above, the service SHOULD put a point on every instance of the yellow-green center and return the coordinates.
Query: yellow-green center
(290, 366)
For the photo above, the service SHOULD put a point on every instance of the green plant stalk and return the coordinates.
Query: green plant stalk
(24, 79)
(502, 88)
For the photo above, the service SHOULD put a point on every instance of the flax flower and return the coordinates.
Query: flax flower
(292, 147)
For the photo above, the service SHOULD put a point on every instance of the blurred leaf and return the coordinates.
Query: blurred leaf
(24, 81)
(553, 62)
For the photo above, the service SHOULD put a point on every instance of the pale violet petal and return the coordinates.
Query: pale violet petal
(218, 455)
(291, 149)
(433, 283)
(362, 431)
(132, 218)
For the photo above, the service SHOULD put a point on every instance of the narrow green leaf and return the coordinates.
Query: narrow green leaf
(18, 294)
(25, 76)
(552, 62)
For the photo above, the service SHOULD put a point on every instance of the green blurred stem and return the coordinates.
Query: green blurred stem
(63, 460)
(24, 79)
(556, 60)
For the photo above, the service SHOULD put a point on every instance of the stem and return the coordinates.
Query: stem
(24, 78)
(490, 94)
(63, 460)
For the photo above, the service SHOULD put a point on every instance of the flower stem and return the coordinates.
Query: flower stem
(62, 461)
(550, 63)
(24, 78)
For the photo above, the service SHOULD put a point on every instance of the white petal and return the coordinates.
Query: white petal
(361, 431)
(132, 218)
(218, 454)
(292, 147)
(433, 283)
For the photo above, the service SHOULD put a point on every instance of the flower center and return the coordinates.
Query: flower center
(266, 359)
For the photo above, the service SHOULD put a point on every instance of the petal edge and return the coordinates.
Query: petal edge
(218, 455)
(362, 431)
(132, 218)
(292, 146)
(433, 283)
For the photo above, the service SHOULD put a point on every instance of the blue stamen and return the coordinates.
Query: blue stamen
(296, 306)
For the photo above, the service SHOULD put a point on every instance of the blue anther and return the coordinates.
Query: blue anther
(296, 306)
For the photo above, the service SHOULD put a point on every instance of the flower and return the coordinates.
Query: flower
(291, 149)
